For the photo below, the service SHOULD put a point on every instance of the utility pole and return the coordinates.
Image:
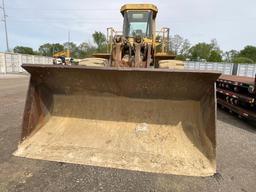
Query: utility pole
(68, 51)
(5, 26)
(68, 36)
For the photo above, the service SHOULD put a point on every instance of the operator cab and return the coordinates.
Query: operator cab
(137, 23)
(139, 20)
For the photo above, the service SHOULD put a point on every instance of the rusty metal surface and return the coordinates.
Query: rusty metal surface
(239, 79)
(130, 82)
(238, 110)
(33, 67)
(160, 56)
(132, 95)
(241, 97)
(233, 135)
(102, 55)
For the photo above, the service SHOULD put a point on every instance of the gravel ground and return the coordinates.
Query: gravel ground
(236, 159)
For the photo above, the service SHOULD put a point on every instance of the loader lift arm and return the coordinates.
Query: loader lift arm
(127, 114)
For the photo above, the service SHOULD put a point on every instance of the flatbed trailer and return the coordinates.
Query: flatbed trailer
(238, 95)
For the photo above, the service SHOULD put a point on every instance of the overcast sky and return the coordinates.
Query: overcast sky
(34, 22)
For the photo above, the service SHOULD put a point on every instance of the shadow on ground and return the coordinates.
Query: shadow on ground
(233, 119)
(236, 154)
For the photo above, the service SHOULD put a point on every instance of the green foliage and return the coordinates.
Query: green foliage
(180, 57)
(77, 51)
(246, 55)
(86, 50)
(184, 51)
(100, 39)
(23, 50)
(180, 47)
(248, 52)
(71, 46)
(215, 56)
(243, 60)
(204, 51)
(229, 56)
(103, 48)
(200, 51)
(49, 49)
(36, 53)
(176, 43)
(73, 49)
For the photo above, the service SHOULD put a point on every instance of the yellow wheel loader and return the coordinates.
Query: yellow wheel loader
(129, 113)
(62, 57)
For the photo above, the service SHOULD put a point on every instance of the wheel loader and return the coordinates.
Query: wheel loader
(130, 113)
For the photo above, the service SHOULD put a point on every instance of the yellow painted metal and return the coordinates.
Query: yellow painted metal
(62, 54)
(165, 54)
(129, 7)
(160, 121)
(143, 7)
(146, 40)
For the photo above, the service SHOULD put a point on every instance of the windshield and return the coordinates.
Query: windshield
(138, 23)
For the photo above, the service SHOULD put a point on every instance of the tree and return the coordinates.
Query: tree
(214, 45)
(71, 46)
(176, 43)
(23, 50)
(209, 52)
(86, 50)
(200, 51)
(180, 47)
(243, 60)
(215, 56)
(248, 52)
(84, 47)
(100, 39)
(81, 51)
(56, 47)
(45, 49)
(184, 51)
(73, 49)
(48, 49)
(229, 56)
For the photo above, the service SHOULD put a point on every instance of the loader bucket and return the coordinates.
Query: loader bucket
(152, 120)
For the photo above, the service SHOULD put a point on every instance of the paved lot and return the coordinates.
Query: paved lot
(236, 159)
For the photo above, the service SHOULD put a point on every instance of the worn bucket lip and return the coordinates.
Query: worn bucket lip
(127, 69)
(41, 72)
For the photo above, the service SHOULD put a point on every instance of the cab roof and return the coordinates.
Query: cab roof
(131, 7)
